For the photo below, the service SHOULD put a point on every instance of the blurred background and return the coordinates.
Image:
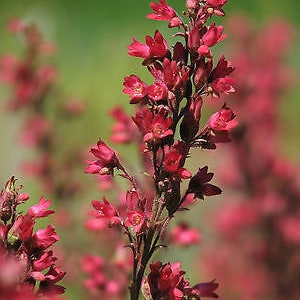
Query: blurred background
(91, 39)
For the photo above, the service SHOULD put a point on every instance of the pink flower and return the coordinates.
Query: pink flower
(183, 235)
(135, 88)
(106, 211)
(223, 120)
(124, 130)
(21, 230)
(173, 162)
(215, 6)
(44, 238)
(136, 219)
(199, 185)
(154, 127)
(165, 13)
(223, 85)
(160, 128)
(45, 261)
(41, 209)
(155, 48)
(213, 35)
(91, 263)
(157, 92)
(167, 281)
(107, 160)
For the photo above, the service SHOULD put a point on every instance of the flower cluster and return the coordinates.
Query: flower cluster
(32, 79)
(27, 265)
(167, 119)
(260, 224)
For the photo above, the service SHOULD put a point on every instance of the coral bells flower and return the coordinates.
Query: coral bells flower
(107, 160)
(155, 48)
(199, 185)
(135, 88)
(183, 235)
(166, 281)
(222, 120)
(106, 211)
(124, 130)
(24, 257)
(164, 12)
(173, 161)
(168, 117)
(215, 7)
(44, 238)
(136, 219)
(213, 35)
(41, 209)
(154, 127)
(157, 92)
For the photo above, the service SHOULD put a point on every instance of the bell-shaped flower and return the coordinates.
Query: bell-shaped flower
(199, 185)
(162, 11)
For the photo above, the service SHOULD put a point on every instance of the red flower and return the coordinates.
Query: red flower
(135, 88)
(222, 120)
(45, 261)
(167, 281)
(215, 6)
(157, 92)
(154, 127)
(173, 162)
(160, 128)
(107, 160)
(137, 220)
(199, 185)
(213, 35)
(44, 238)
(124, 130)
(106, 211)
(165, 13)
(40, 210)
(183, 235)
(155, 48)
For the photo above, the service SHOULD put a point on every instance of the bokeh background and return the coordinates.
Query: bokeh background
(91, 39)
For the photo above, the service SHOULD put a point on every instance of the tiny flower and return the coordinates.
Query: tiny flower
(167, 281)
(44, 238)
(160, 128)
(223, 85)
(153, 127)
(106, 211)
(183, 235)
(215, 7)
(136, 219)
(155, 48)
(223, 68)
(135, 88)
(41, 209)
(107, 160)
(124, 130)
(165, 13)
(199, 185)
(213, 35)
(224, 120)
(157, 92)
(173, 161)
(45, 261)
